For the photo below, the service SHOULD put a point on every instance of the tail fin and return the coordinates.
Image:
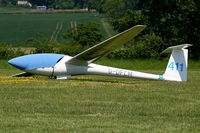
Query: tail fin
(177, 66)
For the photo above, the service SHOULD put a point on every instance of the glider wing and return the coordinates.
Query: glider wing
(94, 53)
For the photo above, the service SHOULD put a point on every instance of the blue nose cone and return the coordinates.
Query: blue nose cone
(34, 61)
(17, 62)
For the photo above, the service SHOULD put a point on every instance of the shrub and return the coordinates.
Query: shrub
(42, 44)
(130, 19)
(121, 53)
(69, 49)
(7, 51)
(149, 46)
(86, 34)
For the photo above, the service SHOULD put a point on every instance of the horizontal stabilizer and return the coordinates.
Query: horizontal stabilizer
(178, 47)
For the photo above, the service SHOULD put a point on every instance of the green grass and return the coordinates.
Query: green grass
(17, 28)
(144, 64)
(98, 104)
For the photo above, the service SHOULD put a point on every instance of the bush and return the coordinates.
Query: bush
(85, 34)
(42, 44)
(69, 49)
(130, 19)
(121, 53)
(148, 46)
(7, 51)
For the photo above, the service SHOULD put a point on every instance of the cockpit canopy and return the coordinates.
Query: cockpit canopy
(34, 61)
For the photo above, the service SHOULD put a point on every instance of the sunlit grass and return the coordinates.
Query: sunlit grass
(93, 103)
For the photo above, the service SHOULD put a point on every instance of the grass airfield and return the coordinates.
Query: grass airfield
(99, 104)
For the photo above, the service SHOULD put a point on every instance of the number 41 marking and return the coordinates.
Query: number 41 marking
(176, 66)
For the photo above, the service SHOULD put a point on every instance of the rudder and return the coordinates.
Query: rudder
(177, 66)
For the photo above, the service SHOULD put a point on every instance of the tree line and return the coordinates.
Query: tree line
(169, 22)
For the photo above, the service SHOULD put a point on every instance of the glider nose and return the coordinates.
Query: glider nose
(17, 63)
(35, 61)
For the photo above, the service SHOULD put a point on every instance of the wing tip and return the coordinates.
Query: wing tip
(143, 26)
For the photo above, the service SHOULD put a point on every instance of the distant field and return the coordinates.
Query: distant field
(21, 10)
(16, 28)
(96, 104)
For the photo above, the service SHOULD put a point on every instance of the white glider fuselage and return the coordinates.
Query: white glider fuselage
(64, 71)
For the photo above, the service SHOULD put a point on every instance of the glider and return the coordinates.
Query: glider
(64, 66)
